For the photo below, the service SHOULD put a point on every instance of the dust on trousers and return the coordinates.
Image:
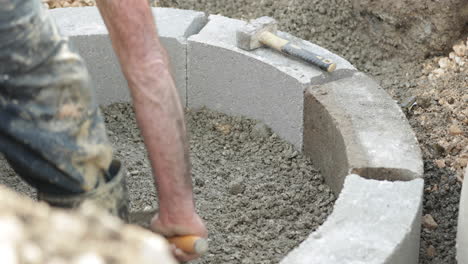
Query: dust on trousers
(51, 130)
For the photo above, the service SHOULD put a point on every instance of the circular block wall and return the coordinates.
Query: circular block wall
(352, 130)
(462, 232)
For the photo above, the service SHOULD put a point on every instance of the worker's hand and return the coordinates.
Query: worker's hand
(178, 226)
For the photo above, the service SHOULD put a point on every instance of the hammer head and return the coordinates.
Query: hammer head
(248, 36)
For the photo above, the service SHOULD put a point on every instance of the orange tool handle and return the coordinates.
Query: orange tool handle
(190, 244)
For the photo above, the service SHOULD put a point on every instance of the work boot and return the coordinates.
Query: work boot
(111, 196)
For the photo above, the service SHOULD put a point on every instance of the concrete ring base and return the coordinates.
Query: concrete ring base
(462, 232)
(352, 130)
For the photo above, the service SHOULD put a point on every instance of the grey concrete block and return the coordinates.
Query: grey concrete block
(88, 35)
(261, 84)
(373, 222)
(462, 229)
(351, 125)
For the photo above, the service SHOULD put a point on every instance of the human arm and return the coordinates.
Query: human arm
(158, 110)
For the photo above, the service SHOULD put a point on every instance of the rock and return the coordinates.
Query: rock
(199, 182)
(429, 222)
(459, 61)
(444, 62)
(454, 130)
(460, 49)
(452, 55)
(236, 187)
(462, 162)
(134, 172)
(440, 163)
(224, 128)
(260, 130)
(322, 10)
(431, 251)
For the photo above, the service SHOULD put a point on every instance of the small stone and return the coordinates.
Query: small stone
(452, 55)
(236, 187)
(199, 182)
(134, 172)
(429, 222)
(462, 162)
(322, 10)
(440, 147)
(224, 128)
(444, 62)
(440, 163)
(459, 61)
(460, 49)
(431, 251)
(260, 130)
(454, 130)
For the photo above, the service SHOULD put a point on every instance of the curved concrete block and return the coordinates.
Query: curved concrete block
(343, 120)
(462, 232)
(88, 35)
(373, 222)
(351, 125)
(260, 84)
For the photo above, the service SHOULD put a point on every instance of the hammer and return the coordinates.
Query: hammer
(262, 31)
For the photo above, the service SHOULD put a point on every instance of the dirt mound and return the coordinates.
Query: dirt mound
(363, 31)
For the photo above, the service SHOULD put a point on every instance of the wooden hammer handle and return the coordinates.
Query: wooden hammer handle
(190, 244)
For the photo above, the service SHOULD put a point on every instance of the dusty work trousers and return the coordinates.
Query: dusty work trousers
(51, 130)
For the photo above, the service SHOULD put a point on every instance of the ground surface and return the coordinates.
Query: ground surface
(259, 197)
(440, 87)
(438, 83)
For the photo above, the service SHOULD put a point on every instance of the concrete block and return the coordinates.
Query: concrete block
(373, 222)
(462, 229)
(89, 36)
(351, 125)
(261, 84)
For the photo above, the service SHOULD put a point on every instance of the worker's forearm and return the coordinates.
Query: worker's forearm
(157, 105)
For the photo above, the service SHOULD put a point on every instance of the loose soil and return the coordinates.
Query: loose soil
(259, 197)
(440, 89)
(438, 81)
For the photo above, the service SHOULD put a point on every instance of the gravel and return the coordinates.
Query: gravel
(259, 197)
